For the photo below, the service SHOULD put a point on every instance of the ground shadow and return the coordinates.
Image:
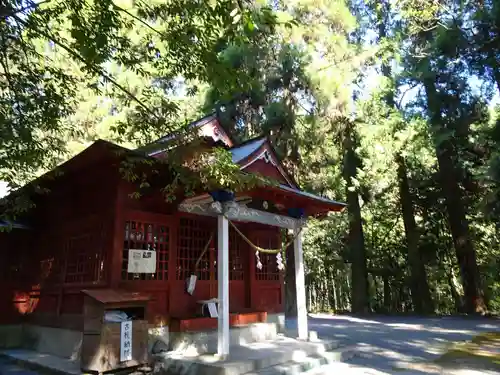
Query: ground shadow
(393, 344)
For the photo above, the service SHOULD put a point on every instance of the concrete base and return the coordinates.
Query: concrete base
(290, 330)
(256, 347)
(64, 343)
(197, 343)
(60, 342)
(43, 363)
(283, 356)
(11, 336)
(278, 320)
(55, 341)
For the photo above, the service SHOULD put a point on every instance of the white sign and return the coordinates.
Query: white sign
(126, 341)
(212, 309)
(191, 284)
(141, 261)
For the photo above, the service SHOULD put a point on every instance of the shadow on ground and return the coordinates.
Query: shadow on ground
(395, 345)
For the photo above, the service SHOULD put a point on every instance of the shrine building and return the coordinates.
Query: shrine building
(81, 232)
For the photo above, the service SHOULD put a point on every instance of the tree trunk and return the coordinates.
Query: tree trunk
(491, 60)
(459, 225)
(420, 294)
(330, 288)
(359, 274)
(454, 293)
(335, 296)
(387, 294)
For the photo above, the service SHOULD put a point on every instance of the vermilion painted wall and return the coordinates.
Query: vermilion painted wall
(79, 243)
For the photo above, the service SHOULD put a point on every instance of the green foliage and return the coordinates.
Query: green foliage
(128, 54)
(346, 90)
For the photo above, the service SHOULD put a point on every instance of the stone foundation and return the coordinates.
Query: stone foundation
(64, 343)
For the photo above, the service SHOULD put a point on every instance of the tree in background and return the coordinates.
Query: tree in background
(387, 105)
(55, 51)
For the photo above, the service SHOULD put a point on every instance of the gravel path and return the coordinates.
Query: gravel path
(383, 345)
(400, 345)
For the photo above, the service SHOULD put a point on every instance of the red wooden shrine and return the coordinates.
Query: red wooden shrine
(79, 234)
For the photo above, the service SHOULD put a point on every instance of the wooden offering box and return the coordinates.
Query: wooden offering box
(109, 346)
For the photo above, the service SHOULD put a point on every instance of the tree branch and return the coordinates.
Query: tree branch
(386, 234)
(13, 12)
(138, 19)
(403, 95)
(90, 66)
(5, 65)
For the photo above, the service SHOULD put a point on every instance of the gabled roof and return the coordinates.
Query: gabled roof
(307, 195)
(206, 127)
(253, 156)
(260, 149)
(13, 225)
(243, 151)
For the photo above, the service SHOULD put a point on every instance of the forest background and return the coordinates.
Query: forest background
(391, 106)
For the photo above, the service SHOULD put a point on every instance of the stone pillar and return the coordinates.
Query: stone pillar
(223, 286)
(300, 287)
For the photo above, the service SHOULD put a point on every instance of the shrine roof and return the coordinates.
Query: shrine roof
(257, 155)
(192, 125)
(253, 156)
(312, 196)
(12, 224)
(243, 151)
(206, 128)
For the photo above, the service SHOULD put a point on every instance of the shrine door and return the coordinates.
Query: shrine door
(193, 259)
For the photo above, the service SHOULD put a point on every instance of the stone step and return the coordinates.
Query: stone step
(275, 355)
(308, 365)
(206, 342)
(42, 363)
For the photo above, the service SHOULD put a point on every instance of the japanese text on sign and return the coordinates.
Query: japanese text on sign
(126, 341)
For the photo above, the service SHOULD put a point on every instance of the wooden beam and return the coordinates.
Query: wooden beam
(239, 212)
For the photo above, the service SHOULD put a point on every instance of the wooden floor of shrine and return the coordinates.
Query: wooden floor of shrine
(198, 324)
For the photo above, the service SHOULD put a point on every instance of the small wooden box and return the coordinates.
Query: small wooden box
(101, 340)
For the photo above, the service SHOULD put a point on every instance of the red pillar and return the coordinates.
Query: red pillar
(251, 285)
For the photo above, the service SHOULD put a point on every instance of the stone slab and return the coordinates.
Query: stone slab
(197, 343)
(45, 363)
(243, 359)
(9, 368)
(278, 319)
(11, 336)
(59, 342)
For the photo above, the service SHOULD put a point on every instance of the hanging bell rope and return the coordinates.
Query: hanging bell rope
(205, 249)
(258, 249)
(261, 249)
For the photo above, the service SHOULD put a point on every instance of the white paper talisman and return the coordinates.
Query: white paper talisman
(126, 341)
(141, 261)
(191, 284)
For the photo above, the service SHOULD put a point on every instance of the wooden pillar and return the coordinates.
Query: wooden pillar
(252, 283)
(223, 285)
(115, 264)
(300, 287)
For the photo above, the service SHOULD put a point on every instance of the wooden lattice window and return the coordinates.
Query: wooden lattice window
(236, 255)
(192, 239)
(85, 256)
(269, 271)
(146, 236)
